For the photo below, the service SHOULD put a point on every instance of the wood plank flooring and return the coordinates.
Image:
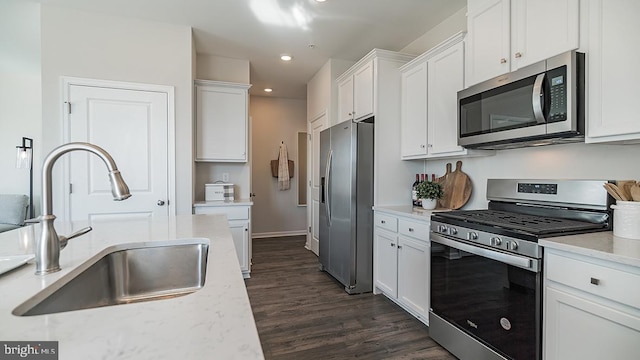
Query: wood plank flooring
(303, 313)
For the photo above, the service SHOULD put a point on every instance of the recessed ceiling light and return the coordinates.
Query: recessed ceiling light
(321, 0)
(268, 90)
(286, 57)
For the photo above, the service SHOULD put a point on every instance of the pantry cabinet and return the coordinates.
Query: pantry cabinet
(505, 35)
(429, 115)
(355, 93)
(612, 71)
(221, 124)
(238, 214)
(402, 262)
(591, 308)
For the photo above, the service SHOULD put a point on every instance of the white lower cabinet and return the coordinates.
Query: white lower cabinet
(239, 218)
(402, 262)
(591, 308)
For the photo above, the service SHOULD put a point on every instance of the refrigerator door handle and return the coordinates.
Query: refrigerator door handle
(327, 174)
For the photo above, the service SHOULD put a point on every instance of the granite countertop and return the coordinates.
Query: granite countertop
(238, 202)
(215, 322)
(601, 245)
(410, 211)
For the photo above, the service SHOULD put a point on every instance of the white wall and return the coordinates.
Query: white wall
(210, 67)
(90, 45)
(275, 120)
(570, 161)
(322, 90)
(20, 93)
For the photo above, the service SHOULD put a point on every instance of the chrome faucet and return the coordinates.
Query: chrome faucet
(50, 243)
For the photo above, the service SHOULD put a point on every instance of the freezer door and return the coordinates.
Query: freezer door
(342, 208)
(324, 229)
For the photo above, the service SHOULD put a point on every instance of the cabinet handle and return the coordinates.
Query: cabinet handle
(399, 247)
(393, 245)
(410, 229)
(518, 55)
(503, 61)
(595, 281)
(382, 222)
(422, 146)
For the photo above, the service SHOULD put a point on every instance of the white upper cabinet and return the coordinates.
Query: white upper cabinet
(445, 79)
(221, 129)
(429, 105)
(413, 111)
(505, 35)
(355, 94)
(612, 71)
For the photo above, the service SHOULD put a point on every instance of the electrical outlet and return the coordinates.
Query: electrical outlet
(225, 177)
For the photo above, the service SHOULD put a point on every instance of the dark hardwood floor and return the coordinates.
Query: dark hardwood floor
(303, 313)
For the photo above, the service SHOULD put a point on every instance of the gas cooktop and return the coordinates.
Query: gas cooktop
(532, 224)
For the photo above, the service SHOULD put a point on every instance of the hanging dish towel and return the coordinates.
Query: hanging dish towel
(283, 169)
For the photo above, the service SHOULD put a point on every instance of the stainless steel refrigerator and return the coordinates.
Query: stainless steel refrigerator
(346, 216)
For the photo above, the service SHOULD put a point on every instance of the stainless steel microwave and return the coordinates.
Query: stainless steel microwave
(540, 104)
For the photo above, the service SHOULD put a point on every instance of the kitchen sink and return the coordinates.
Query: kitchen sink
(124, 274)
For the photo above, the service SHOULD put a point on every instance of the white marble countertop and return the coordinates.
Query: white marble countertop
(215, 322)
(601, 245)
(238, 202)
(408, 211)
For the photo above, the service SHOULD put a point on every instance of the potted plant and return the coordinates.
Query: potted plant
(429, 192)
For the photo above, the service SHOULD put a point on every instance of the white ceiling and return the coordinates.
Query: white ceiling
(261, 30)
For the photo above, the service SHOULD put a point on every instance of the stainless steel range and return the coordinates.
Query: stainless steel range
(486, 265)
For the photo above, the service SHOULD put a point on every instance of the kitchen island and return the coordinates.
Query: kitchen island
(215, 322)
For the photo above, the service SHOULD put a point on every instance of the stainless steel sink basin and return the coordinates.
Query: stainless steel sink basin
(123, 274)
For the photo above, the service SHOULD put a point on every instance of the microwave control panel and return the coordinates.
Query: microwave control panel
(557, 94)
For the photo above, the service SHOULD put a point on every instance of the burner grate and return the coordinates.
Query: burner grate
(533, 224)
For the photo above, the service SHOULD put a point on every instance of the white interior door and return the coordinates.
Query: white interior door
(315, 127)
(132, 126)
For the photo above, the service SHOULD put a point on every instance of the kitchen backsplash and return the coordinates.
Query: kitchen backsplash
(570, 161)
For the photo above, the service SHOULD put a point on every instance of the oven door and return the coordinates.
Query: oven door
(493, 297)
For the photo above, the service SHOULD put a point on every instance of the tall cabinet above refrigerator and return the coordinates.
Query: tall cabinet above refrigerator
(346, 215)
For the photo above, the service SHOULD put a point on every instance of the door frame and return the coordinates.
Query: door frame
(322, 114)
(66, 82)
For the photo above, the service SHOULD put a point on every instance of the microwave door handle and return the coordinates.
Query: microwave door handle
(537, 99)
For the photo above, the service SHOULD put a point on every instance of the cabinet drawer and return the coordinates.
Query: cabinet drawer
(414, 229)
(613, 284)
(387, 222)
(232, 212)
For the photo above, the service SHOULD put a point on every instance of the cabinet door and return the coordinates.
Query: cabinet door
(240, 233)
(578, 328)
(413, 117)
(221, 123)
(445, 79)
(487, 40)
(363, 92)
(541, 29)
(413, 275)
(613, 71)
(385, 263)
(345, 99)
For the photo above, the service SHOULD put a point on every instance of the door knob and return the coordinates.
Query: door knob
(160, 202)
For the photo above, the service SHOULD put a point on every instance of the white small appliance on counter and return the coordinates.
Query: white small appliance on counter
(218, 192)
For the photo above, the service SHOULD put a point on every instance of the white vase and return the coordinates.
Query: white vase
(429, 204)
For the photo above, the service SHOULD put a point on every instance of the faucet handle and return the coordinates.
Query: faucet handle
(64, 239)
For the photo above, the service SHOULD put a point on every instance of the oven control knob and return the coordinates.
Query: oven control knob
(442, 229)
(453, 231)
(512, 245)
(495, 241)
(472, 235)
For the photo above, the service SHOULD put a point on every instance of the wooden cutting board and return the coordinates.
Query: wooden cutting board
(442, 180)
(456, 186)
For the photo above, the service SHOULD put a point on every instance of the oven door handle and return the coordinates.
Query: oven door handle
(509, 259)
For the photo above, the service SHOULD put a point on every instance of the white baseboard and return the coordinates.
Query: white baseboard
(265, 235)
